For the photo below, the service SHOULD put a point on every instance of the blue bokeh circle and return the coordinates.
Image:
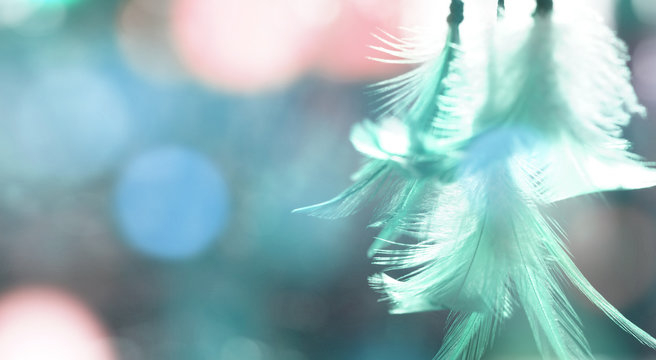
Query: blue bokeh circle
(171, 203)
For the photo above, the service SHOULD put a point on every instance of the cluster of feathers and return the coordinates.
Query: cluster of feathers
(513, 112)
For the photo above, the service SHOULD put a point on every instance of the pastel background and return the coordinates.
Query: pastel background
(151, 152)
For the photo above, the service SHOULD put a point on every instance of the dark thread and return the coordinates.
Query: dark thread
(501, 8)
(457, 15)
(544, 7)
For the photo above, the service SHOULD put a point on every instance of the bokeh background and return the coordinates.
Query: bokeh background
(151, 152)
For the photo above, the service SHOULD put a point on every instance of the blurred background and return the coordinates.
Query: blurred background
(151, 152)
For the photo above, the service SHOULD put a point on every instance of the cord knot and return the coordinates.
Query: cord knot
(457, 15)
(544, 7)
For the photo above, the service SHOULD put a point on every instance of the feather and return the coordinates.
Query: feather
(395, 222)
(465, 151)
(469, 335)
(533, 142)
(489, 253)
(405, 143)
(413, 96)
(570, 270)
(366, 184)
(561, 77)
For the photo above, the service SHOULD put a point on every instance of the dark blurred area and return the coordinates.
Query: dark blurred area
(151, 152)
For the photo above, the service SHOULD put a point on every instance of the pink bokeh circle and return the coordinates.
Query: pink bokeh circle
(38, 323)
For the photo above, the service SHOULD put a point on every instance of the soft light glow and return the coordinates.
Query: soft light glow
(605, 9)
(38, 323)
(244, 45)
(33, 17)
(171, 203)
(70, 125)
(54, 2)
(347, 44)
(381, 140)
(421, 16)
(14, 12)
(316, 13)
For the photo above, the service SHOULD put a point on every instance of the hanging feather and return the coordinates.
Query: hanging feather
(488, 246)
(491, 248)
(408, 151)
(466, 151)
(562, 76)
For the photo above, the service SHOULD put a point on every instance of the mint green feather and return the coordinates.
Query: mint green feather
(489, 254)
(469, 335)
(562, 79)
(395, 225)
(466, 149)
(556, 328)
(569, 269)
(367, 182)
(413, 96)
(532, 143)
(405, 144)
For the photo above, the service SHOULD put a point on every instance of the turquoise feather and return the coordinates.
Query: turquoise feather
(532, 143)
(467, 149)
(562, 79)
(406, 147)
(487, 256)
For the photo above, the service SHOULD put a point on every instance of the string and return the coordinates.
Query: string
(544, 7)
(456, 16)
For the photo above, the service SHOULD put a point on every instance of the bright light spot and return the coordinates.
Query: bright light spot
(54, 2)
(381, 140)
(604, 8)
(505, 143)
(645, 10)
(316, 13)
(14, 12)
(69, 126)
(644, 69)
(47, 324)
(171, 203)
(346, 46)
(33, 17)
(44, 20)
(144, 38)
(420, 15)
(394, 136)
(245, 45)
